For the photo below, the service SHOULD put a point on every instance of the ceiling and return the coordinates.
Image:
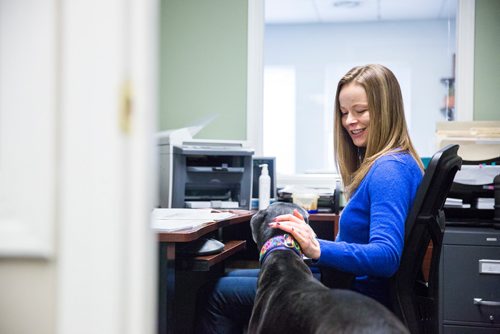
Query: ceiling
(328, 11)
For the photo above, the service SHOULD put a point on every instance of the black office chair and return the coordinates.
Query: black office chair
(415, 300)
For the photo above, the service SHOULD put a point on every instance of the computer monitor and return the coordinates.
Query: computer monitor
(271, 165)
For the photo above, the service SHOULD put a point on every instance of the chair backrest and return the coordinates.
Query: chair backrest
(415, 300)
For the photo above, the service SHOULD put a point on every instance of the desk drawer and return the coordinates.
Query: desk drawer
(463, 282)
(469, 330)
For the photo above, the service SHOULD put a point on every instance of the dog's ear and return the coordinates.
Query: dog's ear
(255, 224)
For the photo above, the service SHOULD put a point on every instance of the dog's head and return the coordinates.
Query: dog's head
(261, 232)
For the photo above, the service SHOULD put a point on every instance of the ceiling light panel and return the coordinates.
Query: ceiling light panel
(341, 11)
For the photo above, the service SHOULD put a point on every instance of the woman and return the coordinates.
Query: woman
(381, 172)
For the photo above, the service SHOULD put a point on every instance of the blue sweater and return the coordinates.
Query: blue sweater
(371, 228)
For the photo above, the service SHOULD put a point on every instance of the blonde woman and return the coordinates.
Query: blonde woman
(381, 172)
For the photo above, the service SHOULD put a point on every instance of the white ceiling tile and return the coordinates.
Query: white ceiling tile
(409, 10)
(290, 11)
(316, 11)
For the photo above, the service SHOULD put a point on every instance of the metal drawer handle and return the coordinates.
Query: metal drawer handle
(480, 301)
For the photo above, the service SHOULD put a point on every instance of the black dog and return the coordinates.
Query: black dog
(290, 300)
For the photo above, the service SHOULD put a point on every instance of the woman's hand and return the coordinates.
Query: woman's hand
(303, 233)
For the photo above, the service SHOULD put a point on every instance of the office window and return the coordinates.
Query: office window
(279, 116)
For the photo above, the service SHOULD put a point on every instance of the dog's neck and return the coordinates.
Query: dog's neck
(279, 242)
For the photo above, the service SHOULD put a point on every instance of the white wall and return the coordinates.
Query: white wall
(426, 47)
(77, 121)
(28, 86)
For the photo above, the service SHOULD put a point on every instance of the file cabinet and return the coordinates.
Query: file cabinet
(470, 280)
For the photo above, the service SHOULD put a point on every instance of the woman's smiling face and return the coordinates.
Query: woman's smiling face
(354, 113)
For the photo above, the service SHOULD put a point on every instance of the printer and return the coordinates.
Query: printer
(198, 173)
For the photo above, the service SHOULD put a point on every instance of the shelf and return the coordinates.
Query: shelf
(448, 81)
(325, 217)
(203, 263)
(446, 111)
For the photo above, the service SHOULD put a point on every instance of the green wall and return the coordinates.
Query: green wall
(203, 66)
(487, 61)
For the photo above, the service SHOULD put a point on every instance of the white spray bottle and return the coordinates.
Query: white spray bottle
(264, 187)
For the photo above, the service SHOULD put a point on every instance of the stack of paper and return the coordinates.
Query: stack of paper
(168, 220)
(455, 203)
(486, 203)
(477, 174)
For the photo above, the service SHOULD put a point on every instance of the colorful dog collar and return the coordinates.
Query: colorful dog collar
(285, 241)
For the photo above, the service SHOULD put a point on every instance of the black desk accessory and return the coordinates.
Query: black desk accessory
(474, 216)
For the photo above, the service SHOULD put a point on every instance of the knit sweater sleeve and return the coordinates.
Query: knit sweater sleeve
(390, 188)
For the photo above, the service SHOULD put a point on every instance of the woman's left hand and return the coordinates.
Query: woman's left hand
(302, 232)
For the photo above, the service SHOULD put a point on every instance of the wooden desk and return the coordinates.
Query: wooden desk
(167, 262)
(326, 225)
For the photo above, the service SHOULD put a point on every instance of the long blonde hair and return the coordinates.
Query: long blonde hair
(388, 131)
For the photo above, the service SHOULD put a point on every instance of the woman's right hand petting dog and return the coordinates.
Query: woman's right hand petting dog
(301, 231)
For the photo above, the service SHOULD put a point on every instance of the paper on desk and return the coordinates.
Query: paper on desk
(477, 174)
(180, 219)
(456, 203)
